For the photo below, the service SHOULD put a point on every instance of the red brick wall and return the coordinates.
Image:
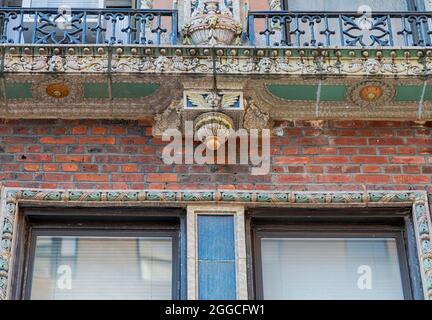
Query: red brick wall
(342, 155)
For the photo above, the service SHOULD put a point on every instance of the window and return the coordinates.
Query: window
(61, 3)
(160, 4)
(333, 258)
(10, 3)
(352, 5)
(110, 257)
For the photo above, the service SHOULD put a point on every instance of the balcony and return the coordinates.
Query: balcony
(43, 26)
(294, 65)
(339, 29)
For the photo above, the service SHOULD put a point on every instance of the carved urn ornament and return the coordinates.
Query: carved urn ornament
(212, 24)
(213, 128)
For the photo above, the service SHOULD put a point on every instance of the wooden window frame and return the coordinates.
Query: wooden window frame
(115, 222)
(334, 223)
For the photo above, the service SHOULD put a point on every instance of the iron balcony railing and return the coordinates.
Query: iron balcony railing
(339, 29)
(265, 29)
(87, 26)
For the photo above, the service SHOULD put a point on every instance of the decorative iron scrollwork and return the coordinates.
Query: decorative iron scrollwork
(92, 26)
(339, 29)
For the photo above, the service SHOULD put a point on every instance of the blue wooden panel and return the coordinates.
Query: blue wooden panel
(216, 238)
(216, 280)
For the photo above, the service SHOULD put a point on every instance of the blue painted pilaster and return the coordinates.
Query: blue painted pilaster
(216, 258)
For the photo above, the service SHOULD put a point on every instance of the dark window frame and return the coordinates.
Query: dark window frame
(136, 222)
(336, 222)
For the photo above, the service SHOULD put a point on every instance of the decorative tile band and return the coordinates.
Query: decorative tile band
(219, 196)
(12, 197)
(230, 60)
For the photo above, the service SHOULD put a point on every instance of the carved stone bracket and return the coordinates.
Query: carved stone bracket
(170, 118)
(195, 103)
(254, 117)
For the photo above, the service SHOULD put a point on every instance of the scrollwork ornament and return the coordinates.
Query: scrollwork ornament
(25, 63)
(92, 64)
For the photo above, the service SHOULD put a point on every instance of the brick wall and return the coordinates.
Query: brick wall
(342, 155)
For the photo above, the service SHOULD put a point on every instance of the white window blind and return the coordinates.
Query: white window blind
(102, 268)
(330, 269)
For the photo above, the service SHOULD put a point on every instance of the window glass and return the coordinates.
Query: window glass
(10, 3)
(118, 3)
(330, 268)
(102, 268)
(344, 5)
(69, 3)
(162, 4)
(157, 4)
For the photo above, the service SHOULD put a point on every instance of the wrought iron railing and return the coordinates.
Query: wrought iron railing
(87, 26)
(339, 29)
(266, 28)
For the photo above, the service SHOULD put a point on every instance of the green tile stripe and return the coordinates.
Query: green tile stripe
(293, 92)
(96, 90)
(18, 91)
(333, 93)
(412, 93)
(308, 92)
(119, 90)
(133, 90)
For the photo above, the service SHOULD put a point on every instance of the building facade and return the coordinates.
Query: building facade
(215, 149)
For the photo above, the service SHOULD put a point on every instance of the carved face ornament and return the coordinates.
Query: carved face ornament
(265, 65)
(213, 100)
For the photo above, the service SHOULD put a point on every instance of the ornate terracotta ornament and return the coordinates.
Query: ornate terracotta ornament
(254, 117)
(212, 24)
(371, 93)
(57, 90)
(212, 100)
(213, 128)
(170, 118)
